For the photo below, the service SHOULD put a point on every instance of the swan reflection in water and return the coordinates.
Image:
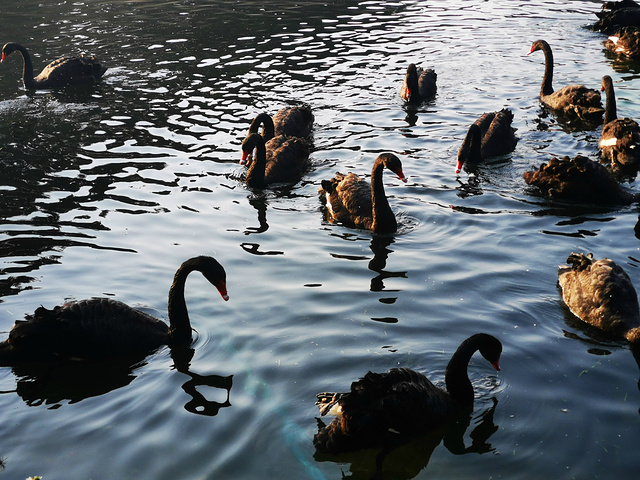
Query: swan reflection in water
(199, 404)
(380, 248)
(52, 383)
(406, 461)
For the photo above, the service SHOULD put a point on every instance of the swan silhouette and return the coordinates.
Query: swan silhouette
(384, 407)
(102, 328)
(59, 73)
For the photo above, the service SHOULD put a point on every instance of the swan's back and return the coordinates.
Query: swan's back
(600, 293)
(86, 329)
(579, 179)
(576, 101)
(498, 136)
(427, 83)
(625, 41)
(380, 407)
(287, 159)
(613, 20)
(70, 71)
(620, 142)
(294, 121)
(348, 200)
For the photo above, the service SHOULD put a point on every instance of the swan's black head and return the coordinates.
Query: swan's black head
(7, 50)
(211, 270)
(393, 163)
(490, 349)
(606, 82)
(249, 144)
(539, 45)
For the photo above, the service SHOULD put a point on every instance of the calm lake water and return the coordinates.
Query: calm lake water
(105, 190)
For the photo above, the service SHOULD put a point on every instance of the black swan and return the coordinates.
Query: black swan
(625, 41)
(578, 180)
(284, 162)
(383, 408)
(616, 15)
(105, 328)
(291, 122)
(59, 73)
(600, 293)
(491, 135)
(418, 84)
(572, 100)
(620, 139)
(353, 202)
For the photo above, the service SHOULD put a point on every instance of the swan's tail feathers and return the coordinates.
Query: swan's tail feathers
(329, 403)
(633, 336)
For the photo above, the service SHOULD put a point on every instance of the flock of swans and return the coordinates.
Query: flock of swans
(379, 408)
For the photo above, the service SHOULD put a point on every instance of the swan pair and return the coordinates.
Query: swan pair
(282, 153)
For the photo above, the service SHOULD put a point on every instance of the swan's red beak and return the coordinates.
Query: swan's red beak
(222, 288)
(602, 89)
(246, 157)
(3, 57)
(458, 167)
(531, 51)
(496, 365)
(402, 177)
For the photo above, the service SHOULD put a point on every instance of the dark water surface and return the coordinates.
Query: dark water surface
(105, 190)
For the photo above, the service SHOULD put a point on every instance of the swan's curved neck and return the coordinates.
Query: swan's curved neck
(412, 84)
(383, 218)
(471, 149)
(610, 113)
(27, 66)
(547, 80)
(456, 377)
(268, 130)
(256, 171)
(179, 324)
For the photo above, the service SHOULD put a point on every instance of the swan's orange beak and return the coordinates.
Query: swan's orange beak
(496, 365)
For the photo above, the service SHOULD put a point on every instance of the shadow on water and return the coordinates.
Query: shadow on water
(406, 461)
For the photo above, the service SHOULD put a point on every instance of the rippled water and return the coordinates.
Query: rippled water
(105, 190)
